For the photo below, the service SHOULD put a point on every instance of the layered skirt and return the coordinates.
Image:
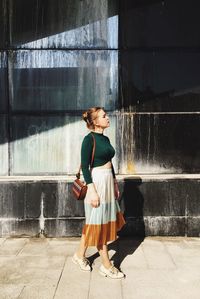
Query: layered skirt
(102, 223)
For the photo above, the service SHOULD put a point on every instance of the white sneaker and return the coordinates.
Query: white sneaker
(112, 272)
(83, 263)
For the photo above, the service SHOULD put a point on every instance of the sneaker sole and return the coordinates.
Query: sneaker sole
(106, 275)
(76, 263)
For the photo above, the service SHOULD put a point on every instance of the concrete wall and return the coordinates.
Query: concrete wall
(57, 58)
(138, 59)
(164, 205)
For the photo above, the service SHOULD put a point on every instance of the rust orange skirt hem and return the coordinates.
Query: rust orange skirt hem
(96, 235)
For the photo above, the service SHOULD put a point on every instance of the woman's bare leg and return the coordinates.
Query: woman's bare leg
(82, 248)
(103, 251)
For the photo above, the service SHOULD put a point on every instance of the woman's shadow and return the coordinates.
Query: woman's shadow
(132, 233)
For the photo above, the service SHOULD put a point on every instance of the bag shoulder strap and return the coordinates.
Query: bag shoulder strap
(92, 158)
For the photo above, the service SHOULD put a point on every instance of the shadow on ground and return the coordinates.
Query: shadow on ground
(132, 233)
(122, 247)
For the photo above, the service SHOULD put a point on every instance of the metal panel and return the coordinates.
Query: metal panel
(63, 80)
(160, 81)
(64, 24)
(3, 146)
(3, 23)
(48, 145)
(159, 143)
(12, 200)
(3, 81)
(154, 23)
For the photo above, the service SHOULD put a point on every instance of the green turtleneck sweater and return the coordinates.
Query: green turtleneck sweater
(104, 152)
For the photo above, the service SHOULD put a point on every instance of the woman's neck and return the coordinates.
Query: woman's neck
(98, 130)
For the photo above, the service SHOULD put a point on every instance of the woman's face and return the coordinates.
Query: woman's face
(102, 119)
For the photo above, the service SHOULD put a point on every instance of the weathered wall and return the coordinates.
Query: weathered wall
(165, 205)
(138, 59)
(58, 58)
(159, 86)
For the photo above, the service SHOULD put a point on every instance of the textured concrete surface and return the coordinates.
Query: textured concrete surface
(155, 268)
(165, 205)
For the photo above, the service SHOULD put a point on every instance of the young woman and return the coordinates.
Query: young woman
(102, 211)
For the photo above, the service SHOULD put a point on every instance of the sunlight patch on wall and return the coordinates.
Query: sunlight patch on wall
(101, 34)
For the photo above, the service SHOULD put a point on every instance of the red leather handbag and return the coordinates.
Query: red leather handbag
(79, 188)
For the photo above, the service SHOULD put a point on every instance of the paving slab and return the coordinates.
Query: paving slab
(64, 249)
(159, 283)
(43, 285)
(73, 283)
(35, 246)
(10, 291)
(104, 288)
(160, 260)
(130, 254)
(2, 240)
(12, 246)
(155, 268)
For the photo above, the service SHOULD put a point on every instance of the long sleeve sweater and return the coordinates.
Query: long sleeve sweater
(104, 152)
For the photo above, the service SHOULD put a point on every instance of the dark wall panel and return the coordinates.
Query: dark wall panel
(162, 143)
(12, 200)
(157, 23)
(59, 201)
(192, 194)
(64, 24)
(18, 227)
(3, 82)
(3, 23)
(63, 80)
(64, 227)
(160, 80)
(3, 145)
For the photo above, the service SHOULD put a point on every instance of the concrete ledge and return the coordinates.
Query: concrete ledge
(70, 178)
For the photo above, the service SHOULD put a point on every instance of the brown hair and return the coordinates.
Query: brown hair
(89, 116)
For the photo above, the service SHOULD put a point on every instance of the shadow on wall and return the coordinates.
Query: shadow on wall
(132, 202)
(49, 85)
(32, 20)
(159, 66)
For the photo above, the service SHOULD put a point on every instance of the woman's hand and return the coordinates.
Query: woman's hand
(93, 197)
(95, 202)
(116, 189)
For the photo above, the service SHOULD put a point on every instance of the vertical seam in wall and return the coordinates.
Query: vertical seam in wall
(186, 216)
(8, 108)
(8, 116)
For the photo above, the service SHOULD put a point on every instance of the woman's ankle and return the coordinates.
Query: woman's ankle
(80, 256)
(107, 265)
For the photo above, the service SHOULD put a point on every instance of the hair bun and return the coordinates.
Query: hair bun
(89, 115)
(85, 116)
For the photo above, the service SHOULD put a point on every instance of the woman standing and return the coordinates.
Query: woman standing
(102, 211)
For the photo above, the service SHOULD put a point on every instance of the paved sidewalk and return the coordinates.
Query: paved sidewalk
(155, 268)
